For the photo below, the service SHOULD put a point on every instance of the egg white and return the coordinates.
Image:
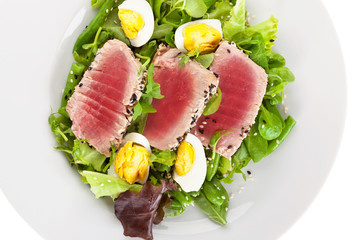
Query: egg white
(179, 33)
(144, 9)
(193, 180)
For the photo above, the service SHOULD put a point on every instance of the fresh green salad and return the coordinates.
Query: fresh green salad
(134, 173)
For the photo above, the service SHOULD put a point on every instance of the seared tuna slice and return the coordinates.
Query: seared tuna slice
(243, 85)
(186, 91)
(101, 106)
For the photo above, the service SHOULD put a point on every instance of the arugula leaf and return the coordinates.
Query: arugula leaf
(56, 129)
(236, 23)
(142, 107)
(214, 103)
(152, 88)
(278, 78)
(186, 58)
(103, 185)
(205, 59)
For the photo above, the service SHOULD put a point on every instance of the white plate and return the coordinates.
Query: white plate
(36, 41)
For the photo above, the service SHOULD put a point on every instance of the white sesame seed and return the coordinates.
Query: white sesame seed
(116, 1)
(251, 178)
(239, 191)
(201, 126)
(109, 181)
(255, 134)
(212, 165)
(218, 197)
(107, 10)
(62, 90)
(223, 197)
(102, 185)
(95, 178)
(226, 209)
(192, 204)
(111, 9)
(222, 17)
(262, 126)
(115, 21)
(285, 110)
(218, 188)
(284, 95)
(71, 80)
(186, 197)
(228, 16)
(204, 123)
(230, 3)
(71, 72)
(202, 139)
(231, 196)
(277, 141)
(272, 84)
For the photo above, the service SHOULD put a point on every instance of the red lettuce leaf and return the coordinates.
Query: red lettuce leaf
(137, 212)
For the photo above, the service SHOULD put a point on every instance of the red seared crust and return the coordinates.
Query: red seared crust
(243, 85)
(185, 90)
(101, 106)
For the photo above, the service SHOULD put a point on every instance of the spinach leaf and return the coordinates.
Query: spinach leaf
(103, 185)
(213, 105)
(170, 39)
(160, 31)
(205, 59)
(220, 11)
(278, 78)
(255, 143)
(195, 8)
(165, 157)
(270, 124)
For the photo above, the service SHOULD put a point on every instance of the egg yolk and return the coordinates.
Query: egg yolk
(185, 158)
(201, 34)
(131, 22)
(132, 162)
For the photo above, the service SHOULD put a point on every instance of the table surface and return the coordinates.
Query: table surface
(335, 213)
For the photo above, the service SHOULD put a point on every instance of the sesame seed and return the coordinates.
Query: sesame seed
(262, 126)
(71, 72)
(115, 21)
(71, 80)
(204, 123)
(239, 191)
(284, 95)
(95, 178)
(201, 126)
(231, 196)
(116, 1)
(223, 197)
(228, 16)
(111, 9)
(107, 10)
(218, 188)
(222, 17)
(212, 165)
(62, 90)
(218, 197)
(109, 181)
(277, 141)
(186, 197)
(192, 204)
(226, 209)
(255, 134)
(285, 110)
(230, 3)
(202, 139)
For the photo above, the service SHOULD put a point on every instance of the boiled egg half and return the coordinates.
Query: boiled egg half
(190, 164)
(132, 161)
(137, 21)
(206, 33)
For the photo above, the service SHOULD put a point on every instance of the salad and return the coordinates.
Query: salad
(166, 101)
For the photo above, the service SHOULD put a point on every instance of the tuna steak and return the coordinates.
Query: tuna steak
(243, 85)
(186, 91)
(101, 106)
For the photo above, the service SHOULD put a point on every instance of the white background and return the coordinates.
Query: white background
(335, 214)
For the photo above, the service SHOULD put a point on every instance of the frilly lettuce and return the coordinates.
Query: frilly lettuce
(236, 23)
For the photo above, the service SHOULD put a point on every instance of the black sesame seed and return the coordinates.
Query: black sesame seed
(76, 76)
(214, 121)
(196, 110)
(246, 131)
(133, 98)
(248, 172)
(179, 139)
(80, 85)
(70, 91)
(123, 133)
(230, 146)
(264, 121)
(128, 111)
(242, 128)
(249, 126)
(228, 50)
(241, 135)
(66, 97)
(206, 99)
(216, 75)
(272, 40)
(89, 68)
(201, 131)
(206, 92)
(207, 118)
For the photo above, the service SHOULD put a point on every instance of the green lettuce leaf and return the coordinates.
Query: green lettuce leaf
(103, 185)
(85, 155)
(237, 20)
(220, 11)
